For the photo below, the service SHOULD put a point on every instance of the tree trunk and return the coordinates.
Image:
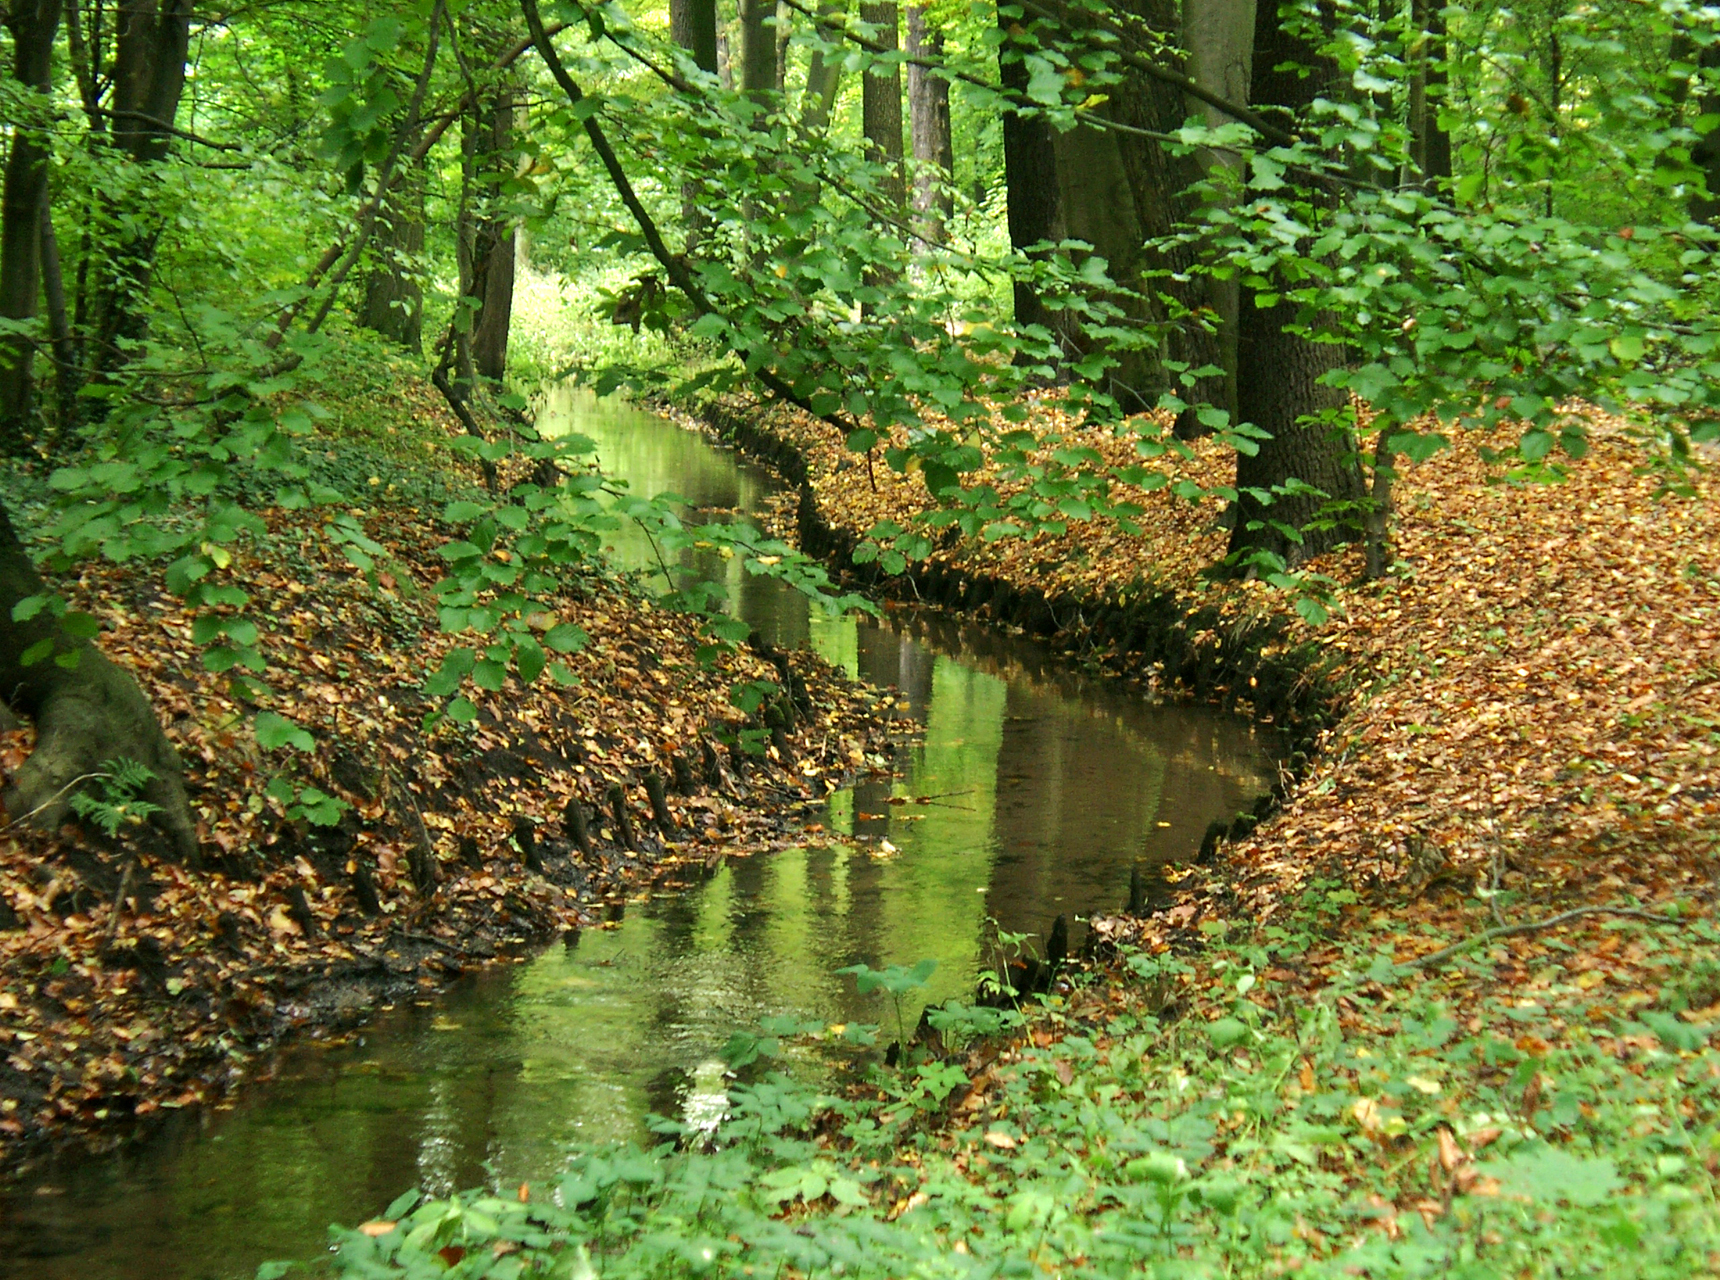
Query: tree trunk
(929, 126)
(59, 325)
(1705, 203)
(86, 709)
(32, 24)
(1035, 211)
(393, 297)
(495, 246)
(758, 48)
(1278, 372)
(823, 75)
(881, 104)
(1432, 145)
(693, 25)
(148, 79)
(1219, 37)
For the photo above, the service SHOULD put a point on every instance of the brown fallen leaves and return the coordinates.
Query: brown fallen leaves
(113, 1009)
(1533, 698)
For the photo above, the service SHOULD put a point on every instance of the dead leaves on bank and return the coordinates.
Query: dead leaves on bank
(161, 999)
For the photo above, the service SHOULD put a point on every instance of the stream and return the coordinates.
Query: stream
(1042, 788)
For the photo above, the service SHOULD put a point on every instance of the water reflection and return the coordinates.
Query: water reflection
(1032, 792)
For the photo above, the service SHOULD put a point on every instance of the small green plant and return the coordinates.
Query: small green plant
(896, 981)
(120, 801)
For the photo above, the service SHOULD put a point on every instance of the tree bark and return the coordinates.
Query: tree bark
(496, 244)
(86, 709)
(693, 26)
(1432, 154)
(929, 127)
(881, 103)
(1219, 37)
(59, 324)
(393, 296)
(1034, 201)
(153, 38)
(758, 48)
(823, 75)
(1278, 372)
(33, 24)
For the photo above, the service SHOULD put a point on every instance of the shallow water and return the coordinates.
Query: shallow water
(1033, 792)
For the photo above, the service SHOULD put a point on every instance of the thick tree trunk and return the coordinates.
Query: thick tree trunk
(929, 127)
(148, 80)
(1035, 208)
(32, 24)
(87, 711)
(1278, 372)
(881, 103)
(393, 297)
(693, 26)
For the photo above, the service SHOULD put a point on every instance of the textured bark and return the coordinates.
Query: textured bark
(693, 25)
(1035, 208)
(1219, 37)
(823, 76)
(1278, 372)
(881, 103)
(493, 247)
(1432, 145)
(148, 80)
(393, 296)
(32, 24)
(929, 128)
(758, 48)
(86, 709)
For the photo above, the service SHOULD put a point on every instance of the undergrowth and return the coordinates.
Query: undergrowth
(1194, 1116)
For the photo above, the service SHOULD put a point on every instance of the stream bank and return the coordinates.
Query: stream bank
(134, 986)
(1016, 788)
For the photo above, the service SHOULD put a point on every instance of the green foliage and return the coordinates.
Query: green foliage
(1127, 1144)
(119, 801)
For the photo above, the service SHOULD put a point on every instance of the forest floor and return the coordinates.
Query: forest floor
(1525, 768)
(130, 984)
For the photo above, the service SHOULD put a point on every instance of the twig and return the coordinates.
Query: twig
(119, 901)
(1487, 935)
(54, 799)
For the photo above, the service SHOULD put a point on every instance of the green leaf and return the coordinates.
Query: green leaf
(275, 731)
(566, 638)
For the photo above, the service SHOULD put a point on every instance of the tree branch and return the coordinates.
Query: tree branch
(1534, 926)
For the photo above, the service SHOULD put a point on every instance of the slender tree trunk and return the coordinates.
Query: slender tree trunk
(783, 30)
(1278, 372)
(1219, 37)
(881, 103)
(86, 710)
(929, 126)
(33, 24)
(153, 37)
(1427, 92)
(823, 75)
(495, 247)
(59, 325)
(393, 297)
(1705, 204)
(758, 48)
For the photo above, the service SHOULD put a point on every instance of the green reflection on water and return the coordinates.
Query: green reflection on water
(1044, 788)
